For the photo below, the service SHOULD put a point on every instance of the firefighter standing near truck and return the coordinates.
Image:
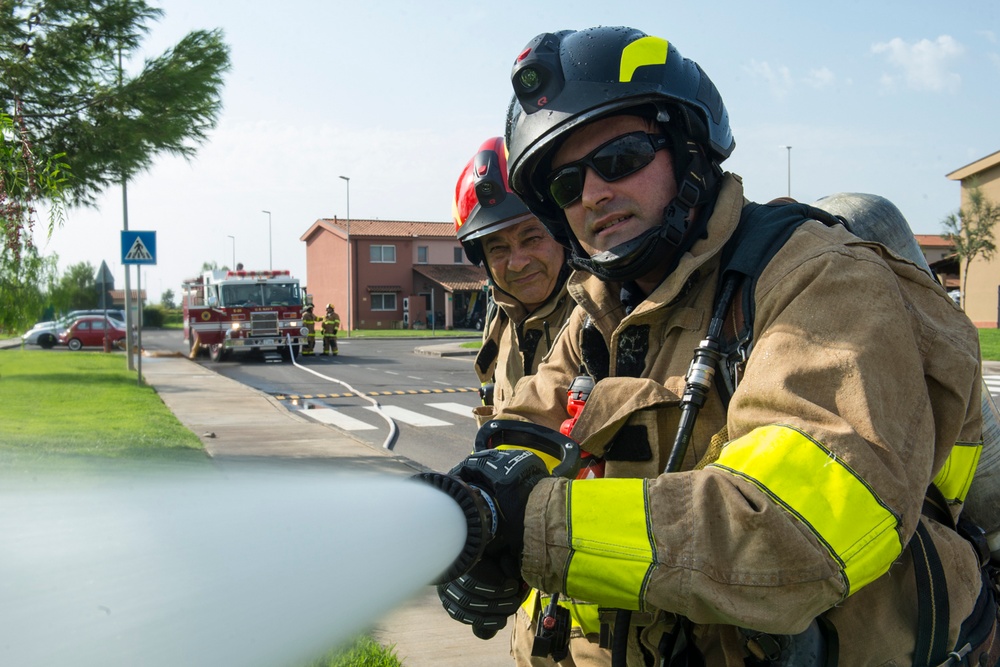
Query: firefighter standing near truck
(331, 324)
(309, 322)
(812, 512)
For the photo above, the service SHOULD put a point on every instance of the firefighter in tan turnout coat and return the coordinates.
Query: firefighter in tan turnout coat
(815, 475)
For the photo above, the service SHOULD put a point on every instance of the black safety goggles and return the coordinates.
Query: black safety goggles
(613, 160)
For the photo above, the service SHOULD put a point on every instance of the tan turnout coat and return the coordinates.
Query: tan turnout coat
(854, 347)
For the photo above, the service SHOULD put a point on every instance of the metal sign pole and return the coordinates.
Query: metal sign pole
(138, 291)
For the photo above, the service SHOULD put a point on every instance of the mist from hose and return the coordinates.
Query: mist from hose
(257, 565)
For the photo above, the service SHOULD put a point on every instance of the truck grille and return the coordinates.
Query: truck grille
(264, 324)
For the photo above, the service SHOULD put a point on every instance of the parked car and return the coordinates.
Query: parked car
(89, 331)
(46, 334)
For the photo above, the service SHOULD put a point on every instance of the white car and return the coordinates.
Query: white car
(46, 334)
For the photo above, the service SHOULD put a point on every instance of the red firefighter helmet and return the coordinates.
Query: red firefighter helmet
(484, 202)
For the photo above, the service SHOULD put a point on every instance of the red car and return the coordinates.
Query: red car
(89, 331)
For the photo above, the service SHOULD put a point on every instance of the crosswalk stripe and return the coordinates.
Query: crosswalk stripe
(408, 416)
(338, 419)
(456, 408)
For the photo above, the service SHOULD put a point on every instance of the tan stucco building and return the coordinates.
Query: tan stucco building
(982, 301)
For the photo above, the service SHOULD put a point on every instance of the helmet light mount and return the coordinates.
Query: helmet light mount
(537, 73)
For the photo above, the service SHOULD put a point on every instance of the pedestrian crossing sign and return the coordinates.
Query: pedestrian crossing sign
(138, 247)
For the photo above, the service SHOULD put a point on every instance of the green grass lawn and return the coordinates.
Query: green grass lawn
(85, 403)
(989, 344)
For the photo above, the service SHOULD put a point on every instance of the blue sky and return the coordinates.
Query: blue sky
(882, 97)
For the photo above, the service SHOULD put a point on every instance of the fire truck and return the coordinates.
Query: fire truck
(243, 311)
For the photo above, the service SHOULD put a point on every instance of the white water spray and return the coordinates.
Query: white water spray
(250, 566)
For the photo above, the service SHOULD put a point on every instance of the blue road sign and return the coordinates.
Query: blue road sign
(138, 247)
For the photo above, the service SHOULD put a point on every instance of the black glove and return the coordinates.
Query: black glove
(484, 585)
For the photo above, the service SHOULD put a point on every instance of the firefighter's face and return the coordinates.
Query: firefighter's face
(609, 214)
(524, 261)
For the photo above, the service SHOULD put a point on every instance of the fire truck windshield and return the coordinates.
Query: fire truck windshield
(260, 294)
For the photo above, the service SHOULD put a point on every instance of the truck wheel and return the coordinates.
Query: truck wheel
(217, 352)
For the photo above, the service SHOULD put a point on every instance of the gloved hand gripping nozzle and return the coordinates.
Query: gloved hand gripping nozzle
(483, 586)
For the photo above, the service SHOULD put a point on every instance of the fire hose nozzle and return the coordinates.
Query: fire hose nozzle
(561, 456)
(480, 518)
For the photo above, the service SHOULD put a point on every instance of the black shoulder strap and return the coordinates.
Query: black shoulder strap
(762, 231)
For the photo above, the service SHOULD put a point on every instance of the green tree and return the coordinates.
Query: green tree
(61, 64)
(168, 300)
(25, 179)
(76, 289)
(971, 231)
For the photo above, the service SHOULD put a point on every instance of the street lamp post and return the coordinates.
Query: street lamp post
(789, 169)
(270, 260)
(234, 250)
(347, 180)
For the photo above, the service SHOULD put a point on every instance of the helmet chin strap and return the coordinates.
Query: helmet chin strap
(664, 244)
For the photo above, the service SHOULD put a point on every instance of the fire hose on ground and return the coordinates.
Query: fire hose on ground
(390, 439)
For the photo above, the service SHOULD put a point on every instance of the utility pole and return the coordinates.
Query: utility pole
(789, 170)
(270, 260)
(349, 295)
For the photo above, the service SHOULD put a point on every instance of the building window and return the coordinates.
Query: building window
(421, 254)
(458, 255)
(383, 300)
(383, 254)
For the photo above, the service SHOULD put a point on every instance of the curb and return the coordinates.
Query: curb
(445, 351)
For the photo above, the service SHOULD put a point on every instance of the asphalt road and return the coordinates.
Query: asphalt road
(428, 398)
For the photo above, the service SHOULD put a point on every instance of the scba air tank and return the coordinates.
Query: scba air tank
(875, 218)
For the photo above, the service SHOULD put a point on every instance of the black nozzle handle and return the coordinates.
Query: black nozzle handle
(526, 435)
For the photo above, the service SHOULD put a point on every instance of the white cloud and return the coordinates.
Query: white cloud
(778, 79)
(925, 64)
(781, 80)
(988, 35)
(820, 78)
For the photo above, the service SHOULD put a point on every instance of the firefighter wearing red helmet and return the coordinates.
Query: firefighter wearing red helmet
(784, 498)
(527, 271)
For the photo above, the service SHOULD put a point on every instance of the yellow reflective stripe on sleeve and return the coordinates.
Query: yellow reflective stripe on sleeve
(643, 51)
(955, 476)
(820, 490)
(612, 548)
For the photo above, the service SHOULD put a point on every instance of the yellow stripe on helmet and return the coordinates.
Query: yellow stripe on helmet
(643, 51)
(824, 493)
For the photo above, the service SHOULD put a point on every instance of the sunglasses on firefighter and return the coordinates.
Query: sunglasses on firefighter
(612, 161)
